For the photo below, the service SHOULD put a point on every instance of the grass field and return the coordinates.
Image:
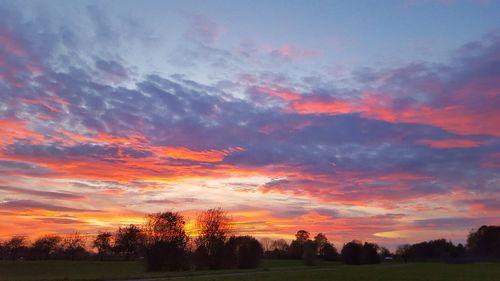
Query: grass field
(270, 270)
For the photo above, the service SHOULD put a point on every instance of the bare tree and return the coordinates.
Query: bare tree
(280, 245)
(15, 246)
(266, 243)
(213, 224)
(214, 227)
(73, 245)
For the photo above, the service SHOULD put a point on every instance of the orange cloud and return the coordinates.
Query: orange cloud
(188, 154)
(11, 130)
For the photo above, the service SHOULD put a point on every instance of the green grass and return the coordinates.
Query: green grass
(383, 272)
(274, 270)
(59, 270)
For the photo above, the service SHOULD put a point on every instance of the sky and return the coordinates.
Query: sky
(369, 120)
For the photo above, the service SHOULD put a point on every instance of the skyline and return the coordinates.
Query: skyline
(361, 120)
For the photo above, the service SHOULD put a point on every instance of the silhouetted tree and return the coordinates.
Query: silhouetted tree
(330, 253)
(103, 244)
(249, 252)
(302, 235)
(309, 252)
(166, 242)
(73, 246)
(355, 252)
(129, 241)
(297, 245)
(320, 240)
(460, 251)
(46, 246)
(369, 253)
(242, 252)
(266, 244)
(404, 251)
(2, 251)
(484, 242)
(433, 249)
(279, 249)
(200, 257)
(351, 252)
(15, 247)
(229, 256)
(214, 227)
(384, 252)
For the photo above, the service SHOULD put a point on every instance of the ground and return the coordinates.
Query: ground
(270, 270)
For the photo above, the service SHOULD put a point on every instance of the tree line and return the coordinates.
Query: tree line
(483, 243)
(163, 243)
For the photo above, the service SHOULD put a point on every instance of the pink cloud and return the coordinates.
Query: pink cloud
(291, 52)
(452, 143)
(10, 44)
(203, 29)
(284, 94)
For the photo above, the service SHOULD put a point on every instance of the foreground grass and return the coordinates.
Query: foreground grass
(275, 270)
(81, 270)
(383, 272)
(107, 270)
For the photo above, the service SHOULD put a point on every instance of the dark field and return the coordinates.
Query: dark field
(270, 270)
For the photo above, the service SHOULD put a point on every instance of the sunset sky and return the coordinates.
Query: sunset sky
(370, 120)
